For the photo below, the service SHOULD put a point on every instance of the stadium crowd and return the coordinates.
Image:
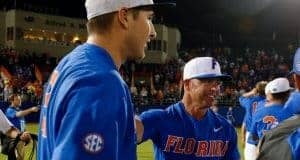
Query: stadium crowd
(150, 84)
(153, 85)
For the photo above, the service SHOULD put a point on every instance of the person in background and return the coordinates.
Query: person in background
(249, 101)
(16, 116)
(269, 116)
(283, 142)
(189, 129)
(7, 128)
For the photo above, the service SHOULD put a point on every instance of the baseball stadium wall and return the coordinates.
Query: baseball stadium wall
(2, 27)
(57, 35)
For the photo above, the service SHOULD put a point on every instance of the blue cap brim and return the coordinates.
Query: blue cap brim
(222, 77)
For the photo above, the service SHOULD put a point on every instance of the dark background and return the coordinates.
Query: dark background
(205, 22)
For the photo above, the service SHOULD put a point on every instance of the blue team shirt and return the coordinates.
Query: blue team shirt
(265, 119)
(294, 142)
(250, 104)
(177, 135)
(292, 106)
(87, 112)
(260, 105)
(18, 122)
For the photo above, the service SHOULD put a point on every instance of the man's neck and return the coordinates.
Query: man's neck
(274, 102)
(195, 110)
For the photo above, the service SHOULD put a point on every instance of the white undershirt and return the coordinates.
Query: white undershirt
(5, 124)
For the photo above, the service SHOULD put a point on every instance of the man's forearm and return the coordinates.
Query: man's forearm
(12, 132)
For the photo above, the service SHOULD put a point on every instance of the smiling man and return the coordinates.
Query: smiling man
(87, 110)
(189, 130)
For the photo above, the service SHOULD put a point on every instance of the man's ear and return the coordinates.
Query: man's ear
(123, 15)
(186, 85)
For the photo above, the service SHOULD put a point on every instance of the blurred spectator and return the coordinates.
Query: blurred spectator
(247, 66)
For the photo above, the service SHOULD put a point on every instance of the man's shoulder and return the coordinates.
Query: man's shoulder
(161, 113)
(265, 111)
(86, 63)
(154, 112)
(87, 56)
(274, 144)
(10, 110)
(292, 106)
(284, 128)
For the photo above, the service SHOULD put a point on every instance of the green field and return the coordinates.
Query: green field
(145, 150)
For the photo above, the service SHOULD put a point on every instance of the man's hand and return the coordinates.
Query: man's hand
(34, 109)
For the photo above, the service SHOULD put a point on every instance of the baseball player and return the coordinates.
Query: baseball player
(7, 128)
(189, 130)
(8, 134)
(250, 101)
(283, 142)
(15, 114)
(269, 116)
(292, 106)
(87, 111)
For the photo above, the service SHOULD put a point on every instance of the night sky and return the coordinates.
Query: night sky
(201, 21)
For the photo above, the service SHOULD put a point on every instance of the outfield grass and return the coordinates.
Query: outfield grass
(145, 150)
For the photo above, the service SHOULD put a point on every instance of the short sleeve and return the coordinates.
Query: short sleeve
(11, 113)
(244, 102)
(152, 122)
(95, 122)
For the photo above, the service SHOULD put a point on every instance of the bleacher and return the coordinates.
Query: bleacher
(152, 85)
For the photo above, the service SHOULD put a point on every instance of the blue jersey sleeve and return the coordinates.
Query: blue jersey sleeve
(292, 106)
(94, 123)
(10, 113)
(151, 120)
(243, 101)
(233, 152)
(294, 142)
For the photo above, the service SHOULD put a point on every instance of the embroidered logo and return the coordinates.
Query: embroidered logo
(93, 143)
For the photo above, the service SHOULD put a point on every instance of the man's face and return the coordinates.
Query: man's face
(297, 81)
(17, 101)
(204, 92)
(141, 31)
(269, 97)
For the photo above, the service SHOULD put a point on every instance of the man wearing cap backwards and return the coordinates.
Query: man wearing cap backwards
(189, 130)
(87, 111)
(250, 101)
(283, 142)
(270, 114)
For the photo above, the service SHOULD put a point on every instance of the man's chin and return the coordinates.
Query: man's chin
(209, 104)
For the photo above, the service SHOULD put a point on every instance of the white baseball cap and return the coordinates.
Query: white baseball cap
(278, 85)
(203, 68)
(100, 7)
